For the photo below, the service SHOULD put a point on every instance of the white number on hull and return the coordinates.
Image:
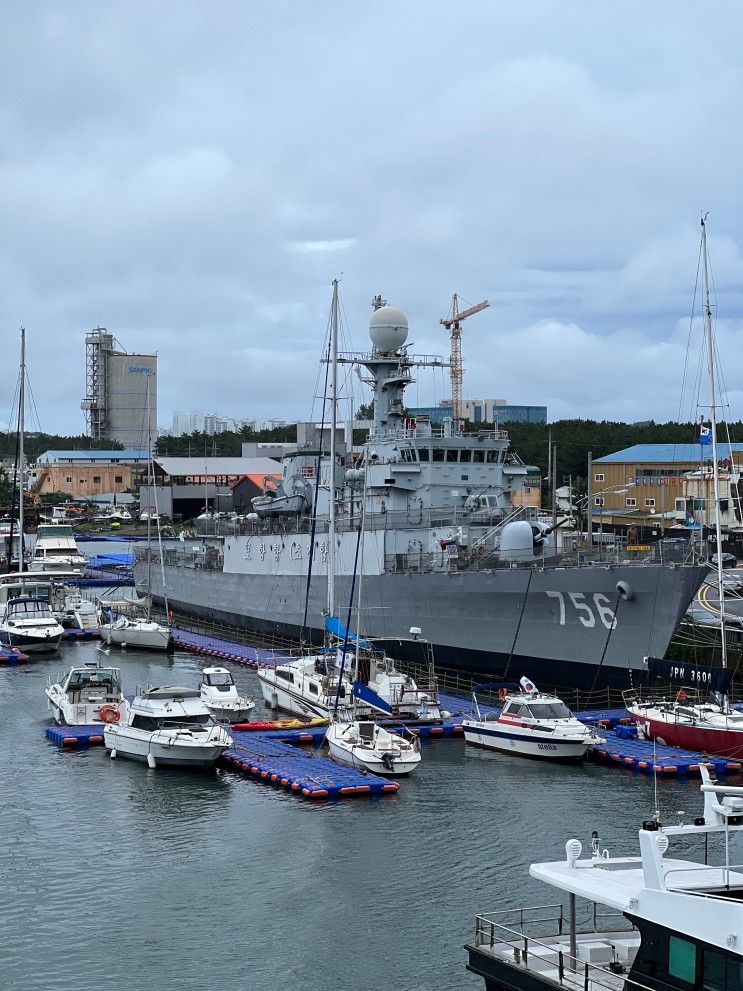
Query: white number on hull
(585, 613)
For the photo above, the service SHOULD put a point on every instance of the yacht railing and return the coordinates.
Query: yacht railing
(730, 880)
(571, 971)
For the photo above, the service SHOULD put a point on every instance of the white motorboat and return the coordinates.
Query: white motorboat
(86, 696)
(28, 624)
(370, 747)
(531, 724)
(121, 624)
(56, 550)
(308, 685)
(169, 726)
(219, 694)
(116, 514)
(656, 922)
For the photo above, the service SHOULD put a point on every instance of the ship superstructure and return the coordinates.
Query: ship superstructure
(447, 549)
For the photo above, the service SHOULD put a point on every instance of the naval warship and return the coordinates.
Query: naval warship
(449, 552)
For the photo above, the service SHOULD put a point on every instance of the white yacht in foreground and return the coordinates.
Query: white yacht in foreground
(367, 746)
(531, 724)
(219, 694)
(86, 695)
(169, 726)
(648, 923)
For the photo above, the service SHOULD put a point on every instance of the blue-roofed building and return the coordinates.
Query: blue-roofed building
(128, 457)
(655, 486)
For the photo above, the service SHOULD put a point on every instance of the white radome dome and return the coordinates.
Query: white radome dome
(388, 329)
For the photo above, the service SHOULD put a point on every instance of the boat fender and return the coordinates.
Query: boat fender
(109, 714)
(625, 591)
(681, 696)
(502, 694)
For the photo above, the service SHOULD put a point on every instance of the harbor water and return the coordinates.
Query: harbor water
(115, 875)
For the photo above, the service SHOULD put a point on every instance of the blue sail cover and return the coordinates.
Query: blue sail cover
(365, 694)
(336, 629)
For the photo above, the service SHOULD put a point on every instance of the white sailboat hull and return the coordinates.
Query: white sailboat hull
(364, 761)
(140, 635)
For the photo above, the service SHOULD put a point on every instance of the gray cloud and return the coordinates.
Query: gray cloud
(194, 176)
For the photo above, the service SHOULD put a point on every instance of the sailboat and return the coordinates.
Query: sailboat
(689, 720)
(120, 622)
(316, 683)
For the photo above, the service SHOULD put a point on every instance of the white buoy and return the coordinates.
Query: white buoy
(112, 754)
(151, 761)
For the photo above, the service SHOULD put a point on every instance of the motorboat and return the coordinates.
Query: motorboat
(86, 695)
(650, 923)
(530, 724)
(310, 685)
(366, 745)
(219, 694)
(168, 726)
(28, 624)
(121, 624)
(79, 613)
(56, 550)
(117, 514)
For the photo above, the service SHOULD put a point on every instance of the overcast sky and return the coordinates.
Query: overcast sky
(193, 175)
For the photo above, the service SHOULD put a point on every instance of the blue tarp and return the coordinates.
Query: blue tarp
(111, 560)
(338, 630)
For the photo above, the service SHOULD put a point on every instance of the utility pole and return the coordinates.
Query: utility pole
(589, 505)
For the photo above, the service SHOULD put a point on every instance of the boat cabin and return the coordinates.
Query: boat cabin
(219, 678)
(23, 609)
(93, 684)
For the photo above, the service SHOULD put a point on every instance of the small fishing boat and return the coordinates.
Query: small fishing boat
(78, 698)
(658, 922)
(219, 694)
(169, 726)
(370, 747)
(531, 724)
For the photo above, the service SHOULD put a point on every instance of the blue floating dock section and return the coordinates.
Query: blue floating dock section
(303, 773)
(9, 658)
(226, 650)
(623, 749)
(75, 737)
(81, 635)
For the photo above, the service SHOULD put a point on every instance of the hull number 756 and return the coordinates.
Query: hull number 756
(585, 611)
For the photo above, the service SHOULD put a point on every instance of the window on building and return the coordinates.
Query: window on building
(598, 478)
(680, 505)
(700, 504)
(96, 479)
(723, 505)
(598, 501)
(682, 959)
(68, 478)
(83, 481)
(630, 502)
(118, 479)
(650, 503)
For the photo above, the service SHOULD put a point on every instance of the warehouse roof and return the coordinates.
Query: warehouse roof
(54, 457)
(668, 454)
(177, 467)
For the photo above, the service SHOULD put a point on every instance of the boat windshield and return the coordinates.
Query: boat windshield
(29, 607)
(549, 710)
(172, 722)
(110, 680)
(219, 680)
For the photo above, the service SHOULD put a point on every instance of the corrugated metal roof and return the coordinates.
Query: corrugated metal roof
(668, 454)
(176, 467)
(127, 455)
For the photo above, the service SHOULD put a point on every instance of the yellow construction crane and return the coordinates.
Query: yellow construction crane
(452, 324)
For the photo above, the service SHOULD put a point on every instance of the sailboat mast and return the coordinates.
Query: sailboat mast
(333, 406)
(21, 452)
(713, 428)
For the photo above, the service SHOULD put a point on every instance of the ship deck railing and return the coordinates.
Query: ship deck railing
(524, 946)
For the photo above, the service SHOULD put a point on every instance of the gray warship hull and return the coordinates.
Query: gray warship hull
(564, 626)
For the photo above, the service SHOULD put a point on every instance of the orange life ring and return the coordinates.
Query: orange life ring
(502, 693)
(109, 714)
(681, 696)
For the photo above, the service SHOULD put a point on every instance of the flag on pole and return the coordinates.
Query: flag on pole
(705, 435)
